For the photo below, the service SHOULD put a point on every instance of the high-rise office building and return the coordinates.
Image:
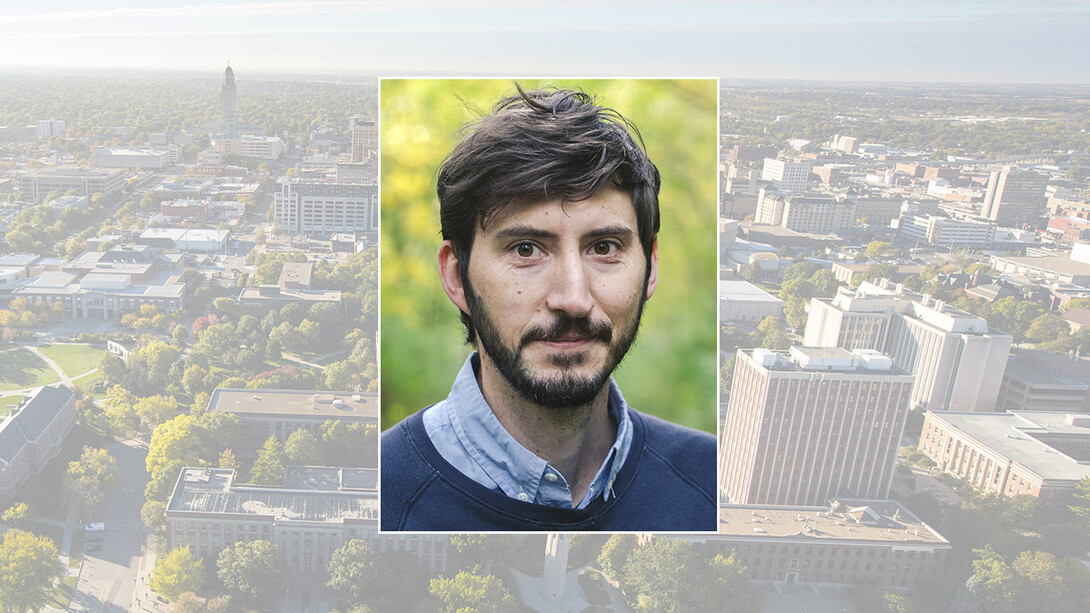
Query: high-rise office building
(364, 138)
(809, 214)
(229, 103)
(786, 175)
(816, 423)
(1015, 197)
(957, 359)
(325, 207)
(48, 128)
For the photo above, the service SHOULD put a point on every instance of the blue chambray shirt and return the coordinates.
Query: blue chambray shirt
(467, 434)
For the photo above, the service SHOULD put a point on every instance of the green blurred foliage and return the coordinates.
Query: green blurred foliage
(671, 371)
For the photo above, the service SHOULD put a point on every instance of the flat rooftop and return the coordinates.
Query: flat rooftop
(212, 490)
(1010, 435)
(1060, 264)
(253, 294)
(330, 478)
(742, 291)
(881, 521)
(302, 403)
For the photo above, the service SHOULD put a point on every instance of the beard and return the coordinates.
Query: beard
(567, 389)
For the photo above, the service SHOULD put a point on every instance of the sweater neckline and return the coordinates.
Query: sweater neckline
(513, 511)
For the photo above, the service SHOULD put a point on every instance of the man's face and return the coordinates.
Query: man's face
(555, 293)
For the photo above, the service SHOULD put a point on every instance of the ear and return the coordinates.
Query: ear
(451, 276)
(653, 276)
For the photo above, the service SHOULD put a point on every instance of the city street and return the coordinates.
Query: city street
(109, 575)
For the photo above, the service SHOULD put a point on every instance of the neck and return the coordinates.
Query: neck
(574, 440)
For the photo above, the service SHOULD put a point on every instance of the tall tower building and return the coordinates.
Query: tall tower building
(786, 176)
(364, 138)
(957, 359)
(811, 425)
(555, 571)
(229, 103)
(1015, 197)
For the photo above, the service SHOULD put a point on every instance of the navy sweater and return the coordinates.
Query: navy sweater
(667, 483)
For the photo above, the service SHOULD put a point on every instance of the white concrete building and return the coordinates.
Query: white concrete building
(957, 359)
(785, 175)
(743, 302)
(132, 158)
(325, 207)
(810, 425)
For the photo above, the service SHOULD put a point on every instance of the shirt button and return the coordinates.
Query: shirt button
(550, 477)
(523, 496)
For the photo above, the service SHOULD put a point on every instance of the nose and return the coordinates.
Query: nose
(569, 290)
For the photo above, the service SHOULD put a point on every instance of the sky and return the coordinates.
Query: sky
(996, 41)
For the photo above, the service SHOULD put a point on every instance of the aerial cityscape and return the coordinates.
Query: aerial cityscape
(190, 337)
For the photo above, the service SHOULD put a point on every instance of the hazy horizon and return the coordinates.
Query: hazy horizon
(924, 41)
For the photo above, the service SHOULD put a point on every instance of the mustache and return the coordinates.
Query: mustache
(566, 327)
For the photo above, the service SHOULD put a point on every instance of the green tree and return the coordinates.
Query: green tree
(29, 569)
(729, 582)
(253, 569)
(188, 602)
(153, 514)
(17, 514)
(615, 554)
(87, 479)
(268, 468)
(227, 460)
(119, 407)
(155, 410)
(1047, 327)
(877, 248)
(470, 591)
(162, 481)
(302, 448)
(881, 270)
(994, 580)
(1077, 303)
(1081, 499)
(666, 575)
(356, 571)
(177, 572)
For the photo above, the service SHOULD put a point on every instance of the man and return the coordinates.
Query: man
(549, 213)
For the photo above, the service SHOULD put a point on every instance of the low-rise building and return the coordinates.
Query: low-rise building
(312, 514)
(35, 185)
(1040, 381)
(107, 157)
(258, 301)
(33, 433)
(273, 412)
(743, 302)
(841, 544)
(1039, 453)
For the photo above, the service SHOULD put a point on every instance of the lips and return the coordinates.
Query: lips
(569, 332)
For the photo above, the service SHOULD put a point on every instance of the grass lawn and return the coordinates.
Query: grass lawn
(21, 368)
(62, 597)
(86, 382)
(7, 403)
(74, 359)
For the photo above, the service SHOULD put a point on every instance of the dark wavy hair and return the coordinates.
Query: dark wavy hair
(538, 146)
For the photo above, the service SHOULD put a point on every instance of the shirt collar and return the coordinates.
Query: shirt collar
(516, 470)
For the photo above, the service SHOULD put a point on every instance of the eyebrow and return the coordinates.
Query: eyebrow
(531, 232)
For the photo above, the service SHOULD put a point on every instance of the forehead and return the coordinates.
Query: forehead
(607, 207)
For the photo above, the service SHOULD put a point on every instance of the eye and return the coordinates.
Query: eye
(525, 250)
(604, 248)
